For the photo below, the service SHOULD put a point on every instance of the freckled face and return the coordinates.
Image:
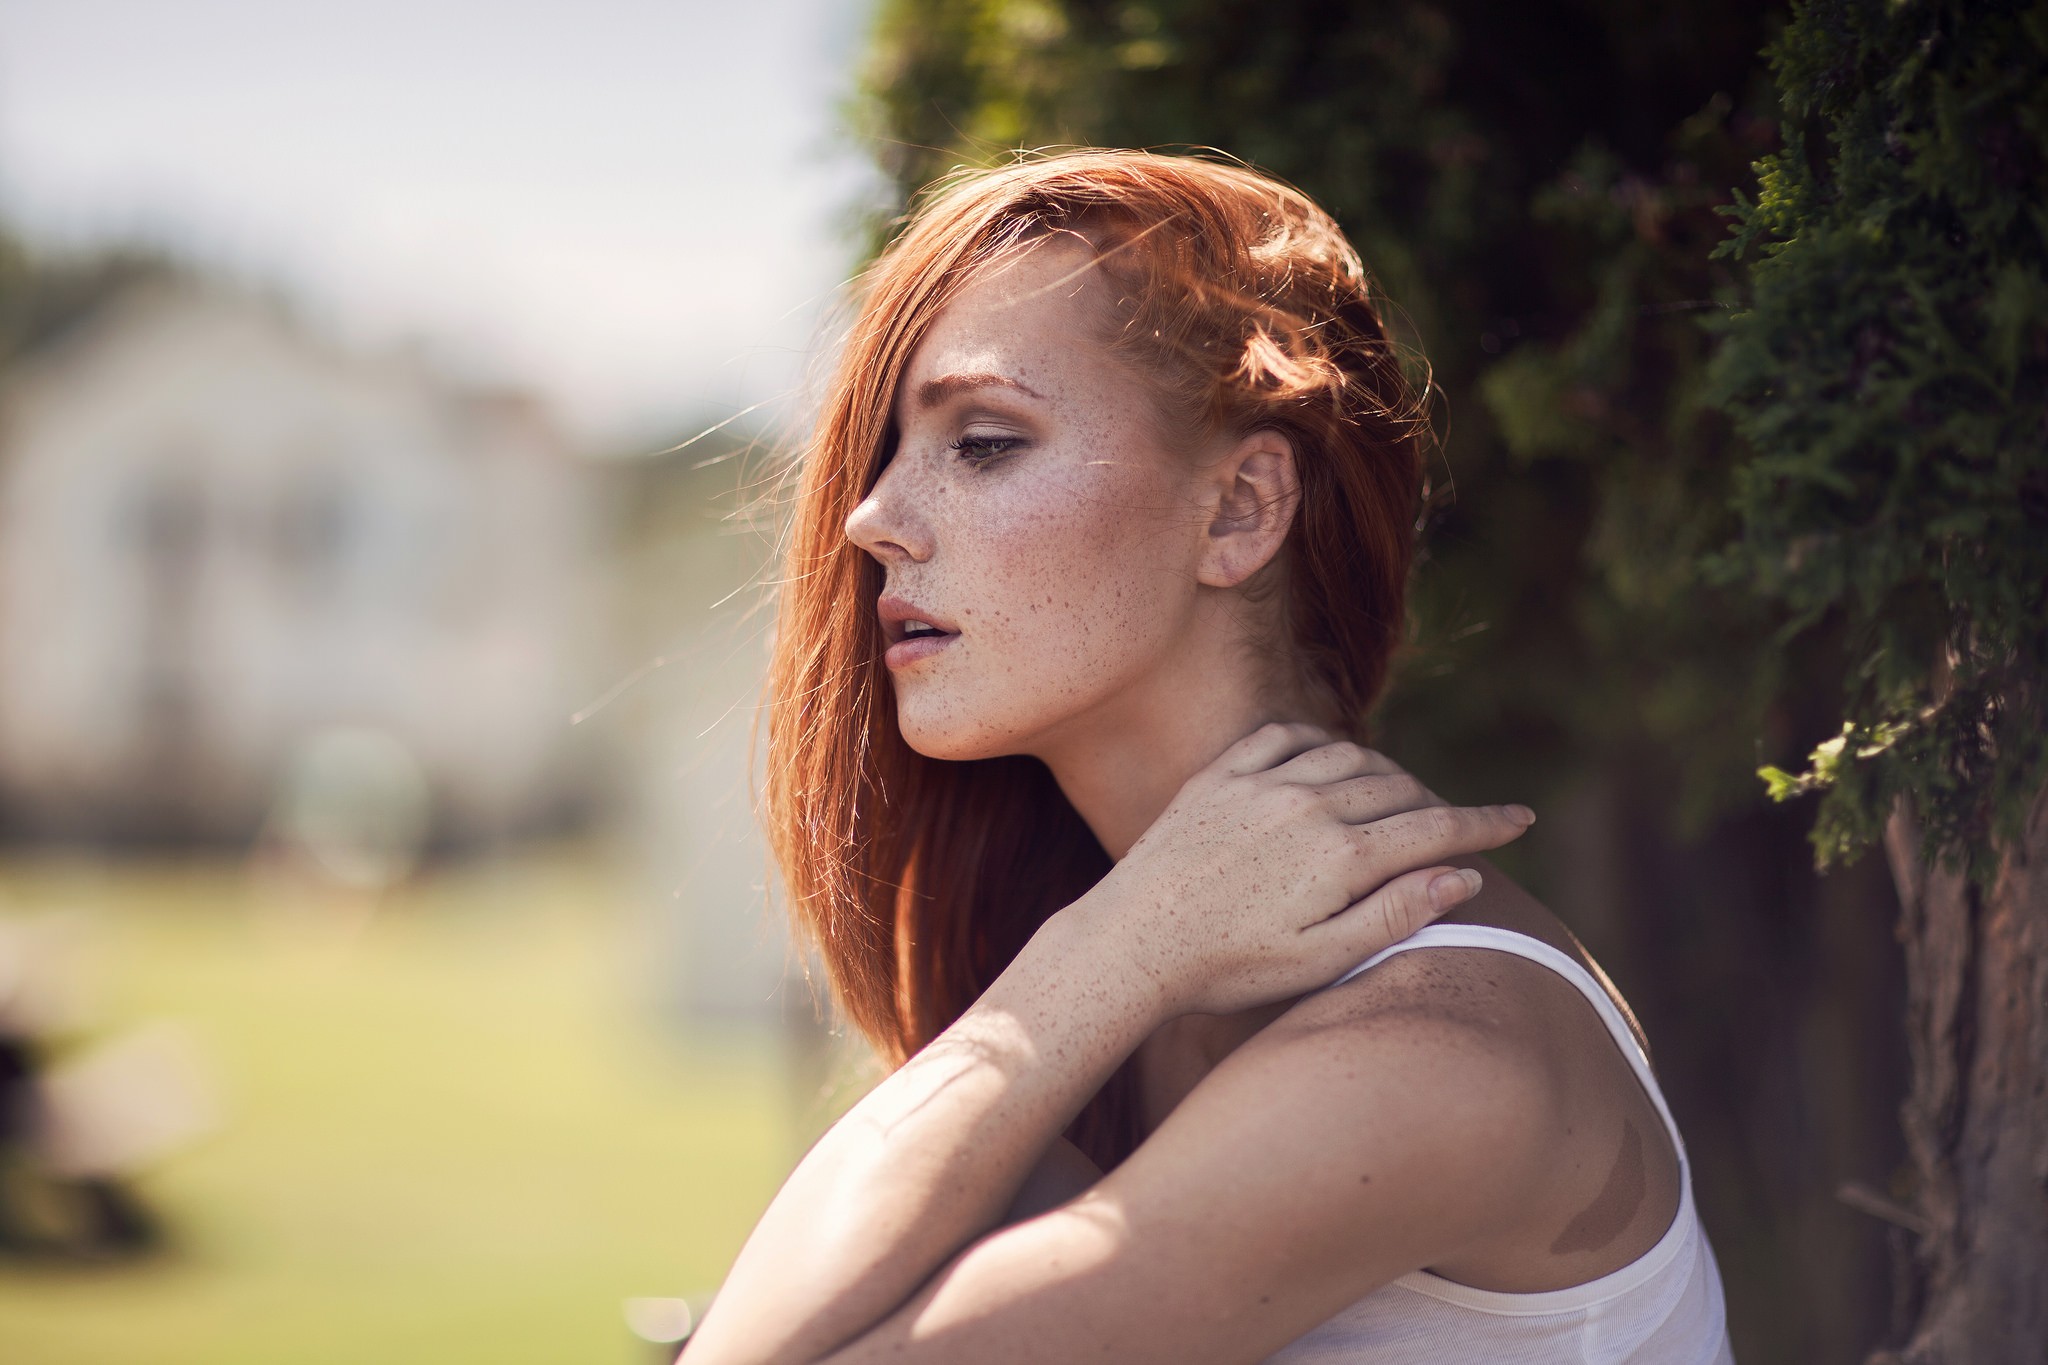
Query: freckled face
(1029, 507)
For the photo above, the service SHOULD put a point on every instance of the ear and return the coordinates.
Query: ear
(1253, 494)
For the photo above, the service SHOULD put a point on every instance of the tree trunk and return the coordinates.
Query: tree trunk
(1974, 1284)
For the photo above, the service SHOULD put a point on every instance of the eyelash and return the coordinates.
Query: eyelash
(989, 447)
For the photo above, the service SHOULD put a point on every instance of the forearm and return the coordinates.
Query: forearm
(932, 1156)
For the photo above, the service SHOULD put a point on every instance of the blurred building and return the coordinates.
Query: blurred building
(695, 603)
(238, 561)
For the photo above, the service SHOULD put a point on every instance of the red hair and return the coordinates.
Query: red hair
(1241, 302)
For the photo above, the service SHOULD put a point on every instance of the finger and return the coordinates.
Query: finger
(1417, 838)
(1399, 908)
(1335, 763)
(1272, 743)
(1360, 800)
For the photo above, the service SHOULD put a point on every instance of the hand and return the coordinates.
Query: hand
(1287, 861)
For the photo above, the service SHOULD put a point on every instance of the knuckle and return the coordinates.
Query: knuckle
(1245, 744)
(1294, 798)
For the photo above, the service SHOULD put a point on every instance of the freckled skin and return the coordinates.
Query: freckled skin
(1097, 580)
(1103, 628)
(1072, 563)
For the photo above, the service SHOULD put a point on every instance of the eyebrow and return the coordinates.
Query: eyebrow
(933, 392)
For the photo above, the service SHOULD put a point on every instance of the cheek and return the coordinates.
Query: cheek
(1082, 555)
(1067, 589)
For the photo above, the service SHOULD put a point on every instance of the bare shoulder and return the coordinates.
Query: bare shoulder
(1460, 1070)
(1485, 997)
(1476, 1021)
(1460, 1046)
(1403, 1126)
(1497, 998)
(1486, 1036)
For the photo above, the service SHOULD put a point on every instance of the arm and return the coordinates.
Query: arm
(1258, 883)
(1063, 1171)
(933, 1155)
(1298, 1176)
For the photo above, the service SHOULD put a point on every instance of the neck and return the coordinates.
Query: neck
(1119, 782)
(1121, 766)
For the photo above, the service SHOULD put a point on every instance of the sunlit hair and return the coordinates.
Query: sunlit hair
(1244, 307)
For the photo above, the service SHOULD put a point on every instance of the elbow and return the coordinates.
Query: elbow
(722, 1347)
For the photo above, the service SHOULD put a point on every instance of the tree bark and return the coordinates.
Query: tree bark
(1975, 1281)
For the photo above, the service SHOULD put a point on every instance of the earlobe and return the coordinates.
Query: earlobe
(1257, 491)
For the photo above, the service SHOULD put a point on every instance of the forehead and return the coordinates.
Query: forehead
(1032, 318)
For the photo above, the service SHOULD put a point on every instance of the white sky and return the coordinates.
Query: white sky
(633, 205)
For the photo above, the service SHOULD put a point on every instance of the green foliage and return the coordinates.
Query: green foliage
(1890, 371)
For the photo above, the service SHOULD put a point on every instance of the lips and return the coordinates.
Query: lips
(913, 632)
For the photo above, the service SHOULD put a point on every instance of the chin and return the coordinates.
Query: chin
(951, 744)
(953, 736)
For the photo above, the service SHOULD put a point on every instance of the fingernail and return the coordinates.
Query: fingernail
(1453, 887)
(1521, 815)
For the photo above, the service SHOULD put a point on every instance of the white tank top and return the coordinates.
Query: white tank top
(1663, 1308)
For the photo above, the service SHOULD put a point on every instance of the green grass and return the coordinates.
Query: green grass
(453, 1132)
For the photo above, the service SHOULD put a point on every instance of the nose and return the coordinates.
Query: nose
(884, 525)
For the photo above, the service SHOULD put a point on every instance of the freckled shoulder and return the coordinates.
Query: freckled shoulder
(1466, 1038)
(1353, 1140)
(1514, 1044)
(1494, 1001)
(1463, 1038)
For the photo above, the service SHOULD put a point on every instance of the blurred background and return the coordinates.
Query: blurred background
(387, 968)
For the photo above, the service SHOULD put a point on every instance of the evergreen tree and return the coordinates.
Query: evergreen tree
(1890, 372)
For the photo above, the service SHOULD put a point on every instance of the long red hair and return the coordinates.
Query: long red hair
(1241, 302)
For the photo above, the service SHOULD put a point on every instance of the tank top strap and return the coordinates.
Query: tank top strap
(1537, 951)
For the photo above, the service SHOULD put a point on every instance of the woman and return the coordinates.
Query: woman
(1098, 557)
